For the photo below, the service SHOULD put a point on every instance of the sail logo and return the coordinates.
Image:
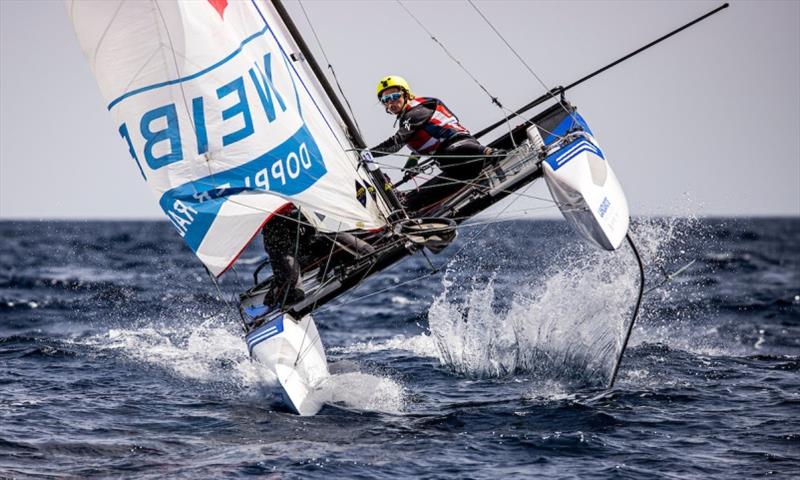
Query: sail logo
(162, 139)
(288, 169)
(234, 123)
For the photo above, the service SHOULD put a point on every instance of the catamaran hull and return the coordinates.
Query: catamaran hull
(293, 352)
(588, 193)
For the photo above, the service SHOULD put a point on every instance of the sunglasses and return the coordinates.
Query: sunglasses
(391, 97)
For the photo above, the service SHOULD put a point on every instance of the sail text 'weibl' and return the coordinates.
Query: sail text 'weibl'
(225, 121)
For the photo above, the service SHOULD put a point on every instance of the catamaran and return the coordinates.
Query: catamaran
(230, 120)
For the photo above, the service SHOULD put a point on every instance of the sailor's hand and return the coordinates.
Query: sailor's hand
(412, 162)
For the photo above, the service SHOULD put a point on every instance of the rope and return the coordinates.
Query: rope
(222, 297)
(452, 180)
(668, 277)
(494, 98)
(429, 274)
(466, 243)
(519, 57)
(324, 272)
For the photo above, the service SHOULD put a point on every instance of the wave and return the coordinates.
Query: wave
(566, 324)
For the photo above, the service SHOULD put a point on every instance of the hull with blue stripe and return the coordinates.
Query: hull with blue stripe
(264, 332)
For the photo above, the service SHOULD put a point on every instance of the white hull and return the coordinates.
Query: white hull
(293, 351)
(588, 193)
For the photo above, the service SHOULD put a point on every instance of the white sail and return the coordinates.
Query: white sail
(223, 119)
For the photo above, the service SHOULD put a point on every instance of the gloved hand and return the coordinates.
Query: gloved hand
(412, 162)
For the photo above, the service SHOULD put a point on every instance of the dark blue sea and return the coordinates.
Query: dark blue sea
(119, 359)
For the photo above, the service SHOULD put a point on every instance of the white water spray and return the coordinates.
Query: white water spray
(567, 324)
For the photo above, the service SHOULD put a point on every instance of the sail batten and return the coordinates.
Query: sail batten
(221, 123)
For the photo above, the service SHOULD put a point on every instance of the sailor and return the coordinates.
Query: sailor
(429, 128)
(293, 243)
(288, 237)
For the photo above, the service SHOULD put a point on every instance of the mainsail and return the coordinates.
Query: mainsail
(224, 119)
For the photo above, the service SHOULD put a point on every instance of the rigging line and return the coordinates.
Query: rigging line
(296, 250)
(451, 181)
(510, 217)
(494, 98)
(300, 350)
(428, 274)
(356, 285)
(238, 280)
(452, 57)
(668, 277)
(263, 210)
(635, 311)
(454, 181)
(330, 67)
(541, 82)
(443, 155)
(513, 114)
(328, 262)
(466, 242)
(222, 297)
(324, 272)
(304, 353)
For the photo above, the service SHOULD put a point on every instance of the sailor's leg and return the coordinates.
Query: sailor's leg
(354, 243)
(280, 237)
(461, 163)
(431, 192)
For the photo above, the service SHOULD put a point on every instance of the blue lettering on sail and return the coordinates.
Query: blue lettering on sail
(200, 125)
(236, 116)
(170, 133)
(288, 169)
(123, 131)
(265, 88)
(239, 108)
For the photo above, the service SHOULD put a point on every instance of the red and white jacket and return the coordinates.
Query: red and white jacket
(425, 123)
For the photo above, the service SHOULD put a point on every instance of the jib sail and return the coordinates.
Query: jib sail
(223, 118)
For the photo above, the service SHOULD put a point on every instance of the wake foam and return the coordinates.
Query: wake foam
(363, 392)
(214, 352)
(211, 351)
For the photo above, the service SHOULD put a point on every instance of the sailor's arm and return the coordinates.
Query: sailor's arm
(412, 121)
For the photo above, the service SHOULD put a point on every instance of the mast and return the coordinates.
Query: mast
(355, 136)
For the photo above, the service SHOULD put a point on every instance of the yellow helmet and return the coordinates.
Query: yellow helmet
(393, 81)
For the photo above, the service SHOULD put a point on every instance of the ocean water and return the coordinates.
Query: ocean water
(119, 359)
